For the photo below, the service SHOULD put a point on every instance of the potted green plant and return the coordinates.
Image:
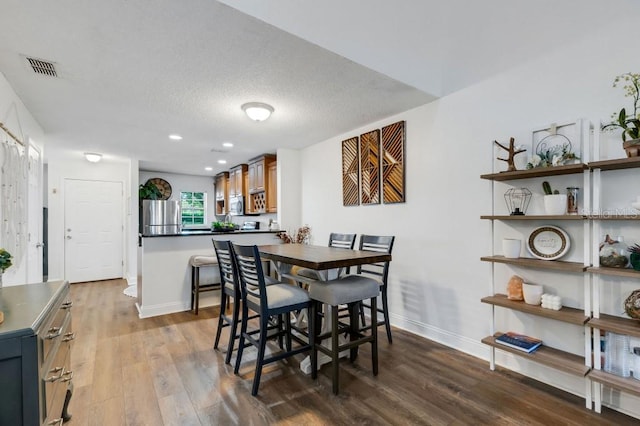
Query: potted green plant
(223, 226)
(5, 262)
(629, 123)
(149, 191)
(555, 203)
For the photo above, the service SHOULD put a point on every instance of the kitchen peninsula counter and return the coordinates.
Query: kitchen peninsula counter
(164, 273)
(192, 232)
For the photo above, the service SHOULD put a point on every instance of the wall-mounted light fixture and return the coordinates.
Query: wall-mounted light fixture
(92, 157)
(257, 110)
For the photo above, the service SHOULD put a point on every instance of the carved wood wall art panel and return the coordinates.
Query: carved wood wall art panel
(393, 163)
(350, 172)
(370, 167)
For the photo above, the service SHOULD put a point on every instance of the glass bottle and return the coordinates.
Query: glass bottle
(617, 354)
(572, 200)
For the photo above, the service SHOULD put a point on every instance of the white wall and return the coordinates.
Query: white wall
(15, 116)
(436, 277)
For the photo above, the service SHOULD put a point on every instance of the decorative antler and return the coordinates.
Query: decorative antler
(512, 153)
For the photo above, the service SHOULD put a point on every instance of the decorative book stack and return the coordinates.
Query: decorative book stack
(520, 342)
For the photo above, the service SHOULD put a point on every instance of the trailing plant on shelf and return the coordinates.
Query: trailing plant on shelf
(634, 256)
(628, 122)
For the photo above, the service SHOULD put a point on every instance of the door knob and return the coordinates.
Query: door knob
(68, 229)
(38, 245)
(68, 237)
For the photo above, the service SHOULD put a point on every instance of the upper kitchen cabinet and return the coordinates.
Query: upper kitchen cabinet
(222, 193)
(261, 173)
(237, 180)
(272, 187)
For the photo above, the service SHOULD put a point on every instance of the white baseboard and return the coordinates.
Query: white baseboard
(164, 309)
(447, 338)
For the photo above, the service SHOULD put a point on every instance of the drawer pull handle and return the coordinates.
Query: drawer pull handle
(67, 305)
(54, 332)
(56, 369)
(56, 422)
(69, 337)
(69, 374)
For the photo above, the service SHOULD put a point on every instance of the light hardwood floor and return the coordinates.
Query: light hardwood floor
(164, 371)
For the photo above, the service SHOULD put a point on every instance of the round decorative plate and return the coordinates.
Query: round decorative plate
(548, 243)
(163, 186)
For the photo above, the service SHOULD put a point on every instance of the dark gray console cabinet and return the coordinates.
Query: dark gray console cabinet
(35, 353)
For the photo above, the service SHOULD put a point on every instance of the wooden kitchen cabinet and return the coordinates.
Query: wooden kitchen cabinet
(222, 193)
(237, 180)
(272, 188)
(258, 183)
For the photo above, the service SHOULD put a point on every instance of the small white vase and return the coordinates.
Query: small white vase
(555, 204)
(511, 248)
(532, 293)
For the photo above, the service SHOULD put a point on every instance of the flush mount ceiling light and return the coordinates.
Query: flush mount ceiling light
(222, 161)
(92, 157)
(208, 168)
(227, 144)
(175, 137)
(257, 111)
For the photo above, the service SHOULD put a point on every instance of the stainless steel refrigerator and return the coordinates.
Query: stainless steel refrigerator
(161, 217)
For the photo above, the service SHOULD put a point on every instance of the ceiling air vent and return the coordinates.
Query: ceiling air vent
(42, 67)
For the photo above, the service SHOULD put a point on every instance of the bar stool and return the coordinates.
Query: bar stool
(197, 262)
(351, 291)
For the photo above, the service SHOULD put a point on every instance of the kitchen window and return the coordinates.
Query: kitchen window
(194, 208)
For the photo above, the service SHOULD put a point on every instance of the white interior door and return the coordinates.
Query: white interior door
(93, 230)
(34, 209)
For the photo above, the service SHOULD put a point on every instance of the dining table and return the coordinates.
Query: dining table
(319, 258)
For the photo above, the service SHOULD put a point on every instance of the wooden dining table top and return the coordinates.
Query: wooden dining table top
(320, 257)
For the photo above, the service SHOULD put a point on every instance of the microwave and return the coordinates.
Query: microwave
(236, 205)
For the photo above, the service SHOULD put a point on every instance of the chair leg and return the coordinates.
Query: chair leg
(234, 330)
(353, 329)
(221, 321)
(335, 351)
(287, 324)
(313, 332)
(374, 341)
(197, 289)
(280, 337)
(362, 318)
(385, 309)
(243, 331)
(193, 288)
(260, 359)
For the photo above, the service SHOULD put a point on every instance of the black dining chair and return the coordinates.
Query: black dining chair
(379, 272)
(275, 300)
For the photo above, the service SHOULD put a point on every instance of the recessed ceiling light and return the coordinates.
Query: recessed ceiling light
(227, 144)
(222, 161)
(175, 137)
(208, 168)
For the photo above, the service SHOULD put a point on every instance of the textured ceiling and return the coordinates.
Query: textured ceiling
(133, 71)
